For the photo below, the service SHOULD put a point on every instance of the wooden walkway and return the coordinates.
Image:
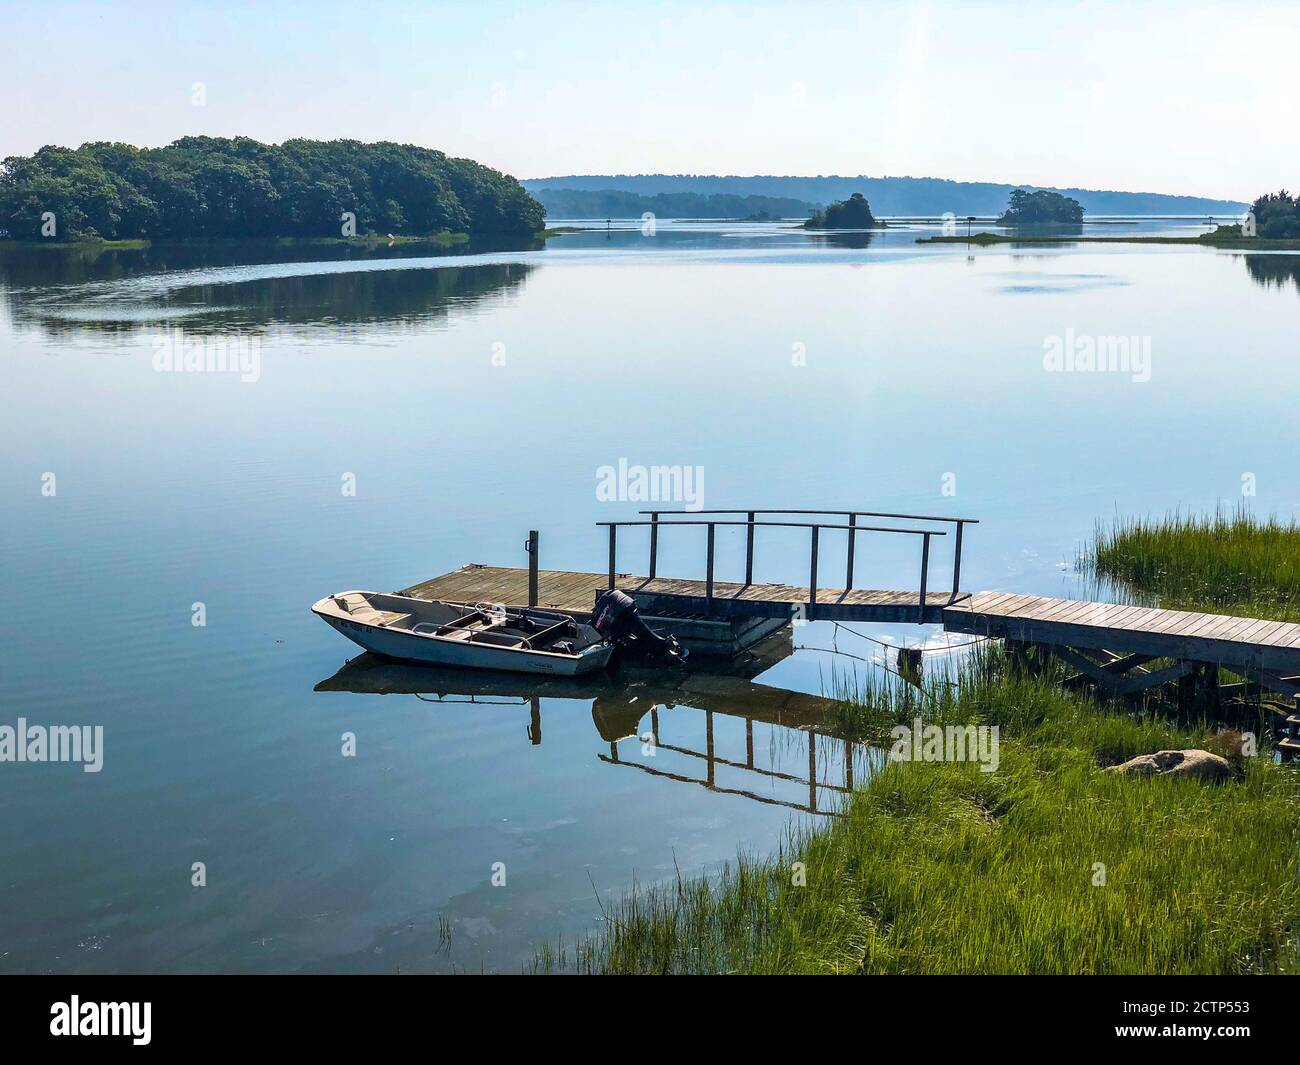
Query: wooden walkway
(575, 593)
(1128, 637)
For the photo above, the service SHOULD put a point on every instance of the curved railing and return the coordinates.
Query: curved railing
(753, 521)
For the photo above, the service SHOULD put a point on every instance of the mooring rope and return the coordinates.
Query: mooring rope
(839, 626)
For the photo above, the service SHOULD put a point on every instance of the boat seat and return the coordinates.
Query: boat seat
(357, 606)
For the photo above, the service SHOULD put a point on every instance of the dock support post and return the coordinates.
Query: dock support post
(812, 772)
(853, 539)
(613, 552)
(925, 573)
(812, 575)
(956, 561)
(531, 547)
(654, 542)
(749, 550)
(708, 736)
(708, 576)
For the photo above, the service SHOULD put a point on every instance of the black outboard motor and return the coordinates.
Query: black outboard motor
(616, 618)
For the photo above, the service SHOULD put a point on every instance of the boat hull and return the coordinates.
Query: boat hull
(462, 655)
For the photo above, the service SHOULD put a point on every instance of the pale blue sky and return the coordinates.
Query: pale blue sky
(1180, 97)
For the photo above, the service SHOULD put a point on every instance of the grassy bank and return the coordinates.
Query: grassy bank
(1208, 240)
(941, 868)
(1233, 562)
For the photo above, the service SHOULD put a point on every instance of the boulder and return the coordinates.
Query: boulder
(1193, 763)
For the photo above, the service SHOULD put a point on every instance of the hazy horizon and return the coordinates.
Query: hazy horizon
(875, 177)
(1082, 97)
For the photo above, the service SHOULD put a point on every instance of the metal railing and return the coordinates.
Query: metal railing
(852, 515)
(752, 522)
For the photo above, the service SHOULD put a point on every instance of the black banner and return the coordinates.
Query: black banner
(213, 1013)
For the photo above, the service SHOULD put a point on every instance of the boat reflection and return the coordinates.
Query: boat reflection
(630, 710)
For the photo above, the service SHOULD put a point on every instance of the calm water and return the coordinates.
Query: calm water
(472, 396)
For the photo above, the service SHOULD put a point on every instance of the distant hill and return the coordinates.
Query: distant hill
(619, 203)
(888, 195)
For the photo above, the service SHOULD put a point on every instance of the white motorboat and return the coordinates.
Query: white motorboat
(481, 636)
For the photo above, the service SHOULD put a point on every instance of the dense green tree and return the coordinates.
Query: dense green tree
(1042, 206)
(1277, 216)
(853, 213)
(239, 187)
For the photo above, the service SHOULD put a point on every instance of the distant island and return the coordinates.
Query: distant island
(1273, 221)
(617, 203)
(890, 196)
(216, 187)
(1041, 207)
(853, 213)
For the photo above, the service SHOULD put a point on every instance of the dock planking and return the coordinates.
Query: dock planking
(1251, 644)
(575, 593)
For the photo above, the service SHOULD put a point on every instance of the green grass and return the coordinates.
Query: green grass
(105, 245)
(1229, 562)
(940, 868)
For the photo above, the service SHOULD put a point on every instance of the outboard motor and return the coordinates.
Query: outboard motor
(616, 618)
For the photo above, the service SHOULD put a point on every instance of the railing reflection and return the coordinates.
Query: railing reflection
(712, 760)
(621, 702)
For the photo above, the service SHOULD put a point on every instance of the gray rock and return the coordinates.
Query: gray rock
(1192, 763)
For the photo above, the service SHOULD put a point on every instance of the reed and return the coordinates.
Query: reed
(1049, 865)
(1231, 562)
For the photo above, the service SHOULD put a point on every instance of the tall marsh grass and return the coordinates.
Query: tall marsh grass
(1228, 561)
(1049, 865)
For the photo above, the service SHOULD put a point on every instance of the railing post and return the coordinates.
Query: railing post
(708, 574)
(853, 539)
(531, 548)
(654, 542)
(812, 574)
(956, 561)
(613, 551)
(925, 572)
(749, 550)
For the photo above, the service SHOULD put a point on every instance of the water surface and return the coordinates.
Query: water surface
(473, 394)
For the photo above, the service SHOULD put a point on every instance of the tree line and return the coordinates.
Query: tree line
(617, 203)
(206, 187)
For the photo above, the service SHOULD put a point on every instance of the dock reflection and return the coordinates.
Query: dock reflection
(630, 709)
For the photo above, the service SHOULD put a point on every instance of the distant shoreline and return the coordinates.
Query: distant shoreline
(445, 239)
(1206, 241)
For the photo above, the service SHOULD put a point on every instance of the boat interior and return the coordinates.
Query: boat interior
(525, 629)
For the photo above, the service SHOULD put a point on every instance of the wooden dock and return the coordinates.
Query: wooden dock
(575, 593)
(1121, 649)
